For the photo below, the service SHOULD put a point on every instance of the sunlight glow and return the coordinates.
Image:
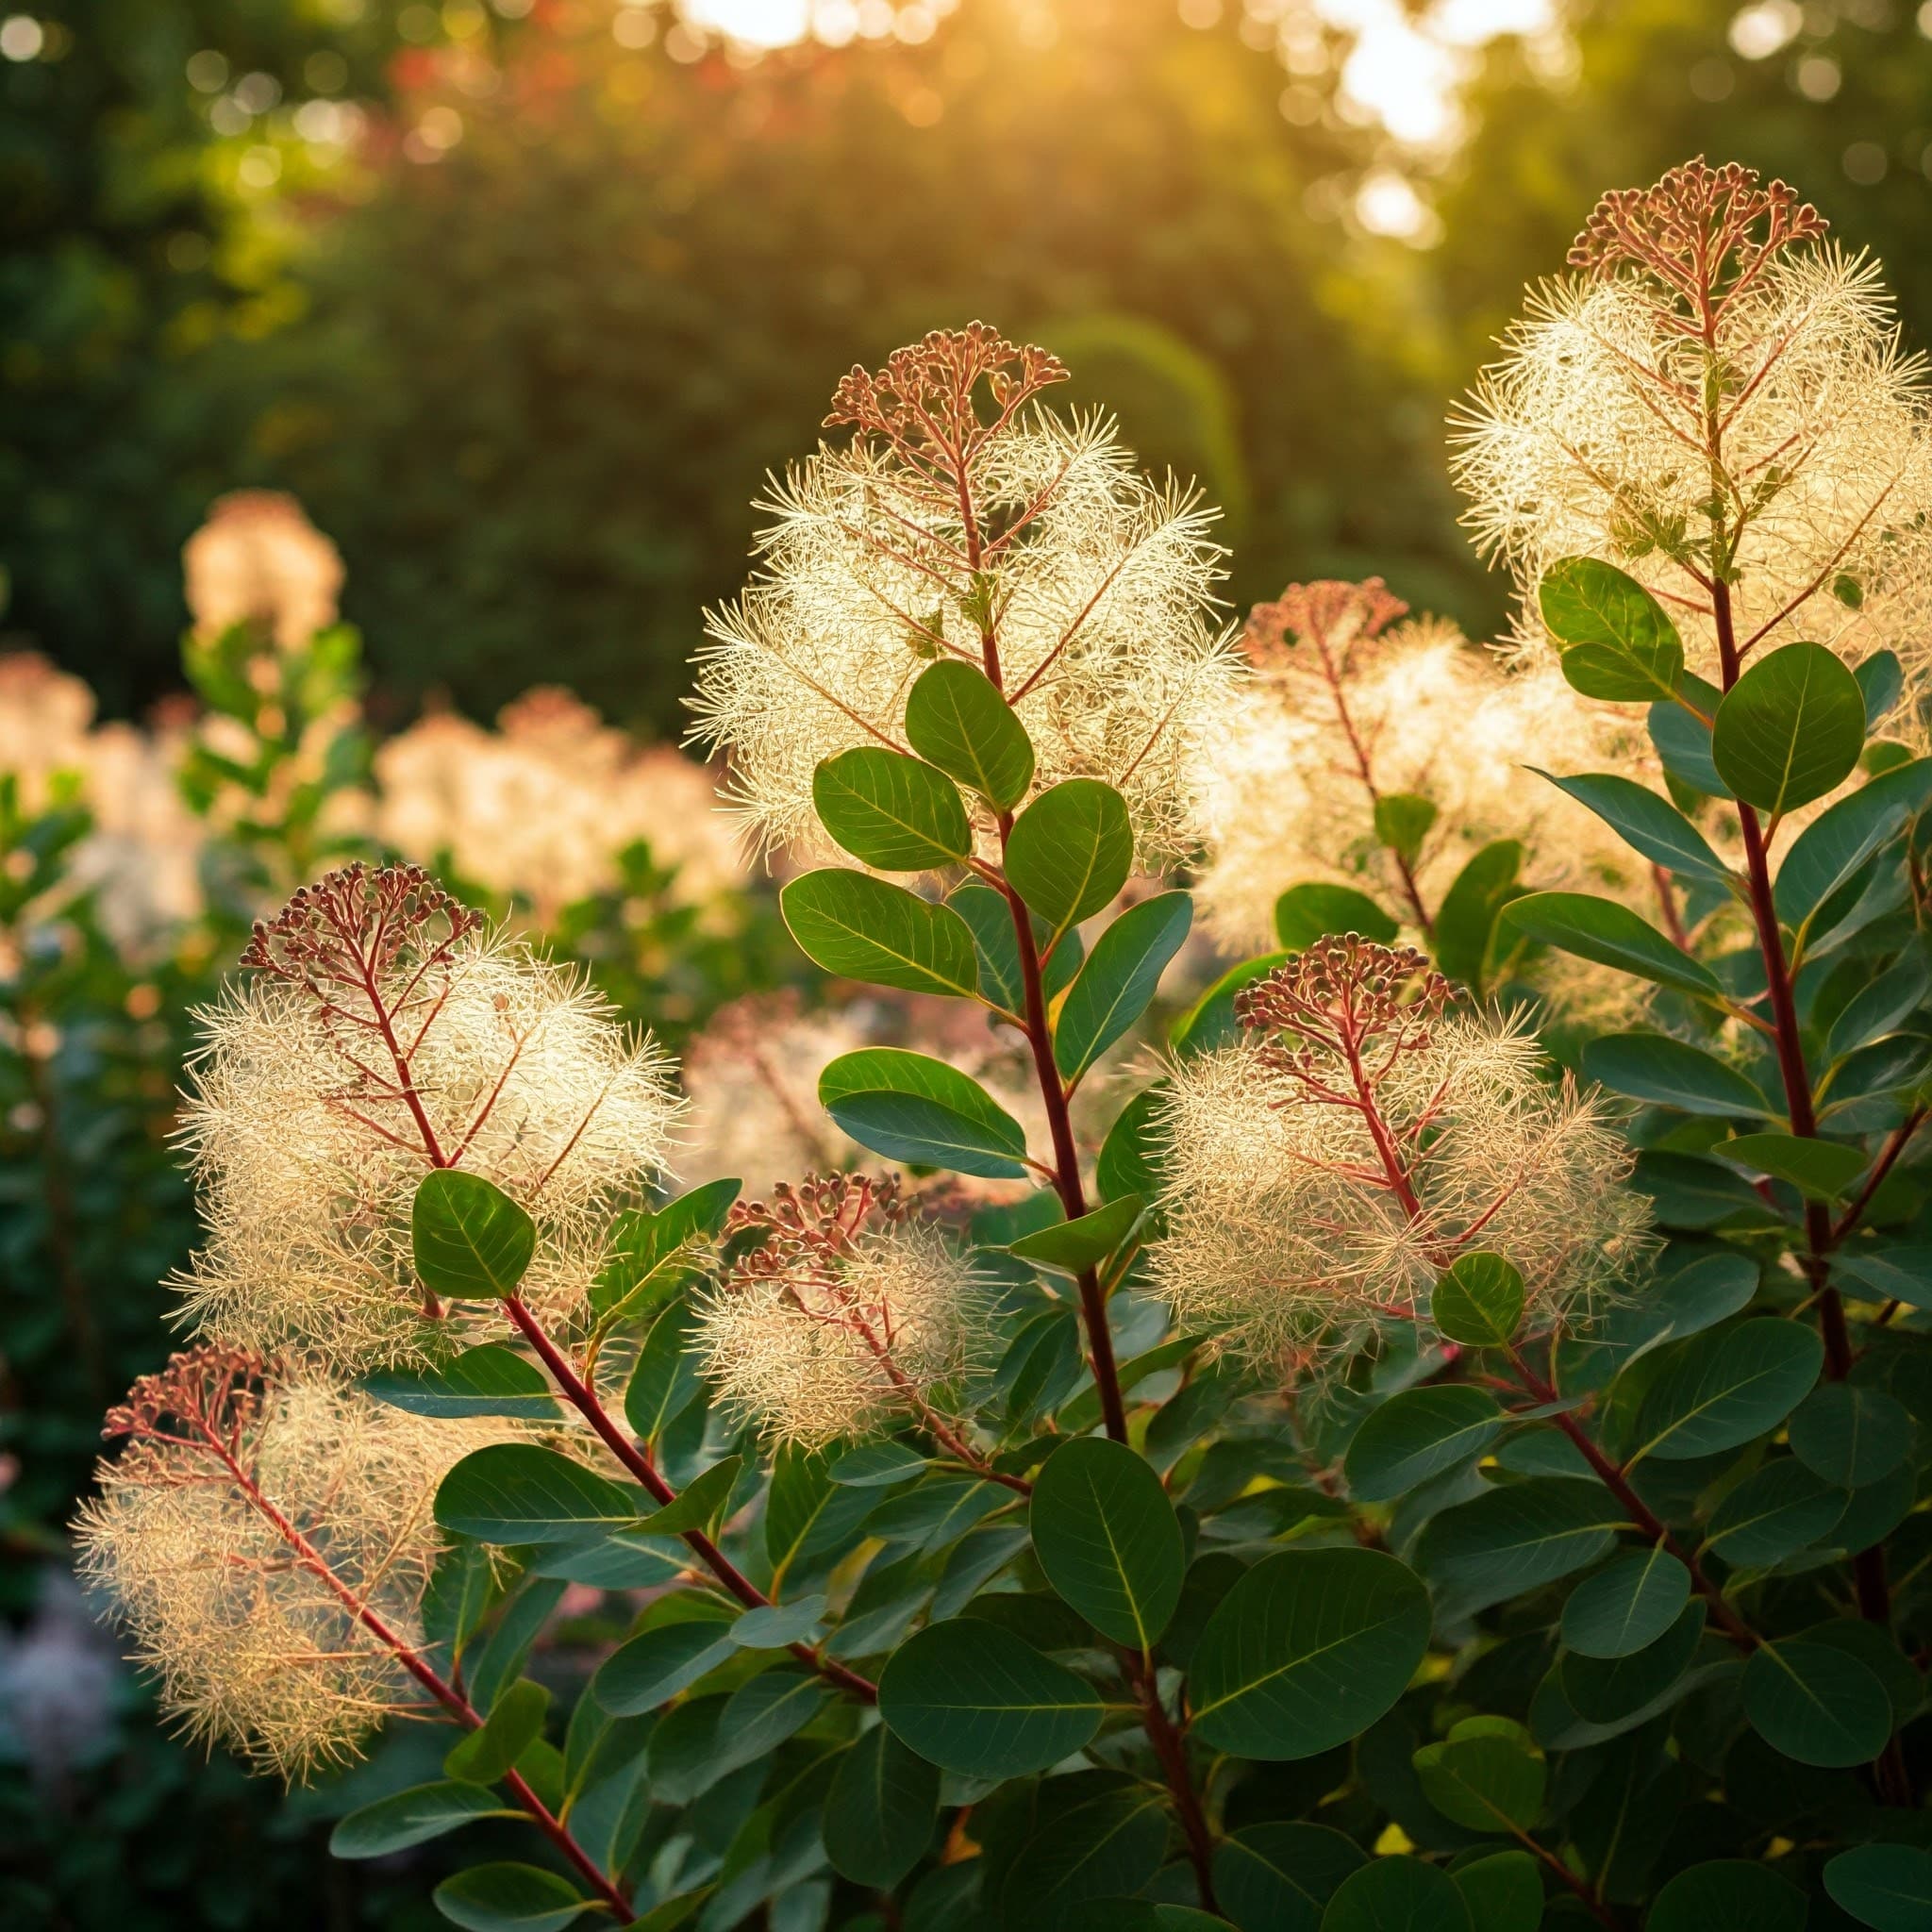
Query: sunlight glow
(1404, 69)
(753, 23)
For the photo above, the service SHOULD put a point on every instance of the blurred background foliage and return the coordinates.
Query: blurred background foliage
(522, 299)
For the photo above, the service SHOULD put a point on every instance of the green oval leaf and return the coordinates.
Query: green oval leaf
(1305, 913)
(1618, 642)
(1401, 1894)
(1416, 1434)
(891, 811)
(1626, 1606)
(1882, 679)
(1893, 1273)
(1849, 1435)
(1517, 1536)
(1646, 822)
(1728, 1893)
(651, 1252)
(865, 928)
(1774, 1510)
(760, 1715)
(1108, 1539)
(1098, 1839)
(1306, 1651)
(1609, 1688)
(469, 1241)
(1478, 1302)
(956, 720)
(880, 1810)
(1835, 844)
(1487, 1775)
(1069, 851)
(508, 1898)
(653, 1666)
(876, 1465)
(1610, 934)
(411, 1818)
(1129, 1166)
(1683, 739)
(1720, 1389)
(514, 1724)
(1504, 1891)
(1466, 919)
(990, 914)
(1886, 1887)
(1277, 1877)
(909, 1106)
(1402, 820)
(519, 1492)
(1815, 1703)
(665, 1381)
(973, 1698)
(1119, 979)
(1791, 729)
(698, 1505)
(489, 1379)
(1068, 1247)
(1672, 1073)
(1819, 1170)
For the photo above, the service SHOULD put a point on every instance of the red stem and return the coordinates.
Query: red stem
(1868, 1566)
(445, 1693)
(1171, 1749)
(584, 1399)
(1066, 1159)
(1645, 1518)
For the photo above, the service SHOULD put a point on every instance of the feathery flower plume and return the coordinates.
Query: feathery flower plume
(849, 1314)
(258, 559)
(1327, 1168)
(1717, 399)
(544, 806)
(266, 1541)
(1017, 541)
(1350, 706)
(381, 1033)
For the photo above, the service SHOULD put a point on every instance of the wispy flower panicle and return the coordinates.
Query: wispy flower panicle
(1326, 1169)
(849, 1313)
(1719, 404)
(382, 1032)
(1351, 704)
(965, 519)
(265, 1538)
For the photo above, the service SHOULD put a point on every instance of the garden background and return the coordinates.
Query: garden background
(521, 300)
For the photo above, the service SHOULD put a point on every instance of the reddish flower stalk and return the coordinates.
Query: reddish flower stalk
(809, 1239)
(1369, 1004)
(205, 1402)
(340, 938)
(1336, 620)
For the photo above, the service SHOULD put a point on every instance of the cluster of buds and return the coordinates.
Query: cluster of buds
(1345, 996)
